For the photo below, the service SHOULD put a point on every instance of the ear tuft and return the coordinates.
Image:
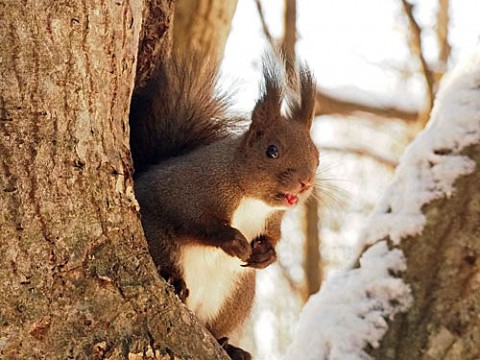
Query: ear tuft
(303, 105)
(269, 104)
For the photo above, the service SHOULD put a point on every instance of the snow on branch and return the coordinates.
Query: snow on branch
(350, 311)
(433, 162)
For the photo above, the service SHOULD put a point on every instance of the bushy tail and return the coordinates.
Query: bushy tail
(179, 110)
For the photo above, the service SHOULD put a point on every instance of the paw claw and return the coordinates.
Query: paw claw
(176, 281)
(263, 254)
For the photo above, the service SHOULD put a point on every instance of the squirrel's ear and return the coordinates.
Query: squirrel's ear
(302, 110)
(269, 104)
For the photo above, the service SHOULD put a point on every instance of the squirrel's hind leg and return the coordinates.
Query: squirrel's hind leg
(173, 277)
(234, 352)
(233, 313)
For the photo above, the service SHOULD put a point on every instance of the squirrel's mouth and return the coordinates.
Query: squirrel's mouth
(289, 198)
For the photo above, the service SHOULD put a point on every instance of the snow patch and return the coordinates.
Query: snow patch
(350, 310)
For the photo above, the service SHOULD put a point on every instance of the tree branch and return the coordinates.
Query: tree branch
(266, 31)
(363, 152)
(416, 45)
(330, 105)
(442, 33)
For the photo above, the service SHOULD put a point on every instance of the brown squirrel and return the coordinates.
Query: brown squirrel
(212, 201)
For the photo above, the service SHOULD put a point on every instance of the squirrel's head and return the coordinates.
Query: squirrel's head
(278, 149)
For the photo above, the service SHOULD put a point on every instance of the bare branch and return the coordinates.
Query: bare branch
(416, 43)
(362, 152)
(266, 31)
(329, 105)
(442, 33)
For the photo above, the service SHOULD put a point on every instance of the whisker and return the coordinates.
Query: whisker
(332, 196)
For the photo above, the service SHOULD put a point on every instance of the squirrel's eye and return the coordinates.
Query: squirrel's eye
(272, 152)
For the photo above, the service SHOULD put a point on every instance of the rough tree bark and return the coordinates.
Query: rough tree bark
(444, 272)
(77, 280)
(155, 39)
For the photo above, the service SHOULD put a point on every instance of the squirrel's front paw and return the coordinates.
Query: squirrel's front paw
(237, 246)
(263, 254)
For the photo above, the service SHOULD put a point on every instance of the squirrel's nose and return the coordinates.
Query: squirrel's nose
(305, 185)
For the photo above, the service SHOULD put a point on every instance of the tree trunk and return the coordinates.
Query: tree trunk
(155, 39)
(203, 26)
(290, 37)
(77, 278)
(444, 273)
(313, 265)
(443, 269)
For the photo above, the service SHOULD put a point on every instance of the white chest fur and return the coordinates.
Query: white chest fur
(250, 217)
(211, 274)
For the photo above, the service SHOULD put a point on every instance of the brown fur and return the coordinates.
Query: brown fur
(236, 307)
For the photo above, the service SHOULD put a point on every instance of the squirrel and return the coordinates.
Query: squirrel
(211, 198)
